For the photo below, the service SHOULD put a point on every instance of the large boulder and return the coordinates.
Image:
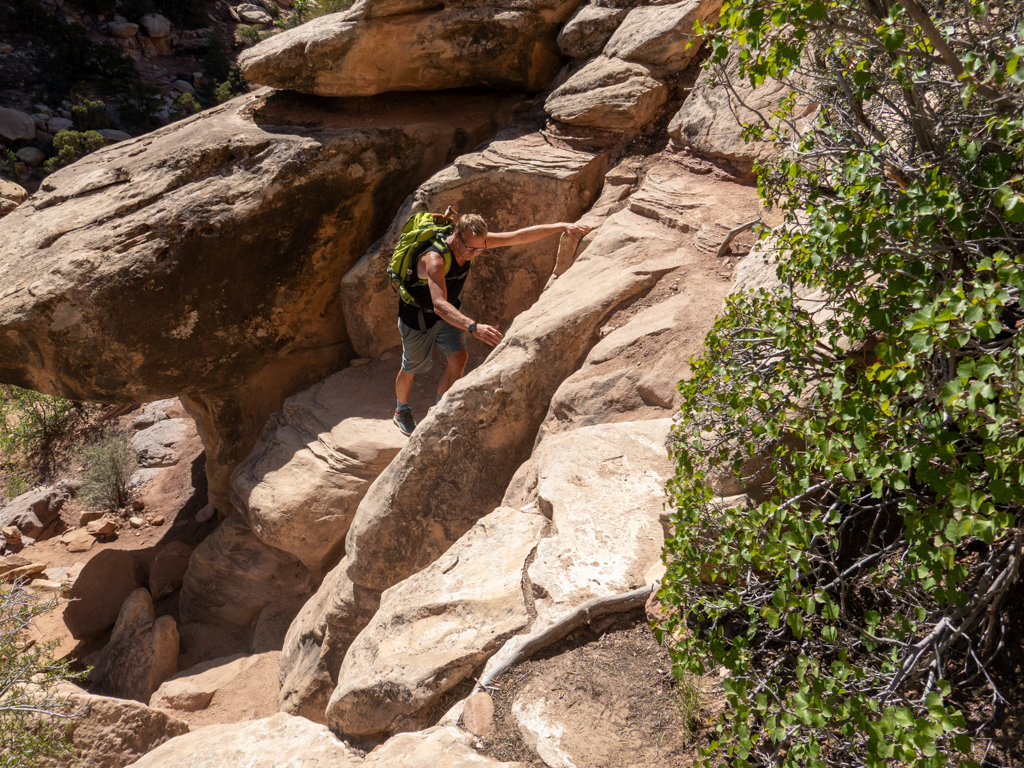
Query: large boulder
(232, 576)
(318, 640)
(281, 740)
(433, 748)
(603, 488)
(100, 590)
(143, 650)
(517, 179)
(711, 119)
(16, 125)
(435, 627)
(383, 45)
(34, 510)
(662, 36)
(608, 93)
(194, 688)
(585, 34)
(11, 196)
(111, 733)
(157, 445)
(204, 259)
(314, 461)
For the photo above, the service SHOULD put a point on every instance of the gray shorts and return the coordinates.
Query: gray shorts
(418, 346)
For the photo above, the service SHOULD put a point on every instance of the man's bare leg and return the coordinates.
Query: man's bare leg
(403, 386)
(453, 371)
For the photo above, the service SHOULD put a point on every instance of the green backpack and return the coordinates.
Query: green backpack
(420, 232)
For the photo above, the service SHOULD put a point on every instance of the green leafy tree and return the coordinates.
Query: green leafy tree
(872, 404)
(90, 115)
(32, 714)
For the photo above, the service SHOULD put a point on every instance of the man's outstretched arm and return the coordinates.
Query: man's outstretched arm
(538, 232)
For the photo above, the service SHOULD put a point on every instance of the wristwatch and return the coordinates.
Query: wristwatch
(472, 327)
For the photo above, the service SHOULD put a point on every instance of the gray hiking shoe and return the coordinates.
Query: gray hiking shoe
(405, 422)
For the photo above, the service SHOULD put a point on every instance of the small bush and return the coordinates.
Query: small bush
(31, 728)
(137, 107)
(30, 421)
(90, 115)
(9, 165)
(109, 465)
(185, 106)
(72, 146)
(251, 34)
(221, 78)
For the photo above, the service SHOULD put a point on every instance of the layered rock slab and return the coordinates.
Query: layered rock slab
(286, 740)
(662, 36)
(299, 488)
(633, 371)
(386, 46)
(268, 743)
(435, 627)
(204, 258)
(603, 488)
(519, 177)
(608, 93)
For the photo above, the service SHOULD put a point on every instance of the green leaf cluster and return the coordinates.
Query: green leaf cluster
(71, 146)
(871, 406)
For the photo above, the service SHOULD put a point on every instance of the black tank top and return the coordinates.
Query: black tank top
(454, 279)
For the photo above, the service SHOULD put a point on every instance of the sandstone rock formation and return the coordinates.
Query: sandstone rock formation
(193, 689)
(299, 488)
(589, 28)
(287, 740)
(113, 733)
(269, 743)
(168, 569)
(34, 510)
(389, 45)
(609, 93)
(436, 626)
(100, 590)
(664, 234)
(204, 259)
(143, 650)
(662, 36)
(711, 119)
(232, 576)
(520, 176)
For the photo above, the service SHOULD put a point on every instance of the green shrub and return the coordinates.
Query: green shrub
(137, 107)
(862, 604)
(33, 717)
(90, 115)
(71, 146)
(184, 106)
(251, 34)
(30, 421)
(9, 165)
(108, 468)
(221, 79)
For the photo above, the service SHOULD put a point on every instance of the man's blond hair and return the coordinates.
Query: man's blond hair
(471, 223)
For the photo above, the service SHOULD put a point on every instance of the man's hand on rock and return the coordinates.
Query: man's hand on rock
(488, 334)
(577, 229)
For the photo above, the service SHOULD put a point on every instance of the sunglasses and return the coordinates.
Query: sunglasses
(471, 248)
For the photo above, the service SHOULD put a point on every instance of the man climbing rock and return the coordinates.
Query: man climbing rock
(441, 270)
